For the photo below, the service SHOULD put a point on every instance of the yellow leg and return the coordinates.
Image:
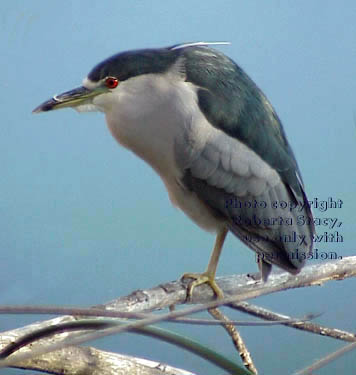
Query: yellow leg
(209, 275)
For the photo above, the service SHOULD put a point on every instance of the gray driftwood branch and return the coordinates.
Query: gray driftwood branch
(79, 360)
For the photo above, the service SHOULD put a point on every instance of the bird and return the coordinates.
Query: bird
(208, 131)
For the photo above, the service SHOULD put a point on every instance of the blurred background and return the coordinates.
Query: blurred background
(83, 221)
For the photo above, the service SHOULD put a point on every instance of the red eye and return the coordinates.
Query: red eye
(111, 82)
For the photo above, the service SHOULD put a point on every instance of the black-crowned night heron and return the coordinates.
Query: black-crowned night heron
(214, 139)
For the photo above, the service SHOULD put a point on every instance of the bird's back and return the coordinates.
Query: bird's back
(246, 171)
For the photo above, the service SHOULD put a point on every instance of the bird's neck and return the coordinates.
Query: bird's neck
(151, 117)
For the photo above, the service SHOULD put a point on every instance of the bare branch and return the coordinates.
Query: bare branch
(236, 288)
(236, 339)
(263, 313)
(174, 293)
(326, 360)
(95, 312)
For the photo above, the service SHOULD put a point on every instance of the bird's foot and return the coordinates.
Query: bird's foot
(202, 278)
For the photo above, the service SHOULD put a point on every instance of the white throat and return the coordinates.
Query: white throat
(148, 114)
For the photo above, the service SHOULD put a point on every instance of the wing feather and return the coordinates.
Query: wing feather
(239, 155)
(247, 192)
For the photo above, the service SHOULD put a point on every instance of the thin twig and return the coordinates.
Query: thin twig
(326, 360)
(302, 325)
(101, 313)
(236, 339)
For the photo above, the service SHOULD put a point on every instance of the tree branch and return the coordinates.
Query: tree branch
(163, 296)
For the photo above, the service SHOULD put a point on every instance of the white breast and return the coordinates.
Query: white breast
(151, 115)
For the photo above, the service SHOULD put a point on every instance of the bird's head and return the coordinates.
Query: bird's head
(105, 79)
(112, 76)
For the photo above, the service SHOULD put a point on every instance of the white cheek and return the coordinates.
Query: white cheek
(90, 107)
(105, 102)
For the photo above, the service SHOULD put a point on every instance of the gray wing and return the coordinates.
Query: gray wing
(250, 195)
(239, 162)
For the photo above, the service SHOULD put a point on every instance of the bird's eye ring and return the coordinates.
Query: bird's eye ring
(111, 82)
